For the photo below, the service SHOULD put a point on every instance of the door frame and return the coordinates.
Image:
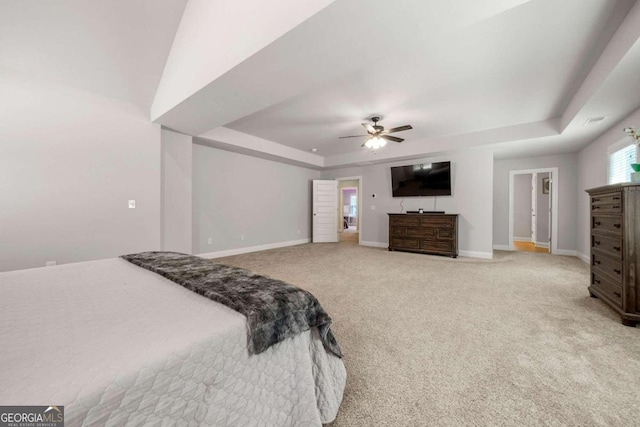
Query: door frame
(553, 187)
(360, 215)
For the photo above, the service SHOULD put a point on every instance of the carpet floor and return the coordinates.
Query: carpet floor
(433, 341)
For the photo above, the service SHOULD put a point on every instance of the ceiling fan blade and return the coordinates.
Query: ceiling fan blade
(392, 138)
(369, 128)
(352, 136)
(399, 129)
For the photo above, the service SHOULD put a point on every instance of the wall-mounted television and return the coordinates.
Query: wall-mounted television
(426, 179)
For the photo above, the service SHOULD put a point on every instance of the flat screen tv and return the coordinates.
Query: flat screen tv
(426, 179)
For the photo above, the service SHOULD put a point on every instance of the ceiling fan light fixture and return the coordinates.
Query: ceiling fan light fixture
(375, 143)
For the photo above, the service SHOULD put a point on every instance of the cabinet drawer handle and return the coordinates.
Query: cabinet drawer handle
(595, 199)
(617, 271)
(596, 242)
(596, 207)
(596, 281)
(596, 262)
(616, 206)
(616, 197)
(616, 225)
(617, 294)
(597, 222)
(617, 248)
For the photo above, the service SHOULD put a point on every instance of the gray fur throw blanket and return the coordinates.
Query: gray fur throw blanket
(274, 310)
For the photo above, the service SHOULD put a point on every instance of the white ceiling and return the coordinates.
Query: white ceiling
(117, 47)
(520, 76)
(519, 66)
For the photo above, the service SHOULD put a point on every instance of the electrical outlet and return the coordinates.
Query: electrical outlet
(242, 237)
(50, 263)
(132, 204)
(209, 241)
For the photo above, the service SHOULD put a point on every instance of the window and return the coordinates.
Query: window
(620, 159)
(353, 206)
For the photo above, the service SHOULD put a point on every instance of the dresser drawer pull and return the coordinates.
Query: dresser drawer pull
(616, 225)
(616, 197)
(616, 206)
(596, 207)
(597, 281)
(596, 242)
(597, 222)
(617, 294)
(617, 248)
(617, 271)
(596, 262)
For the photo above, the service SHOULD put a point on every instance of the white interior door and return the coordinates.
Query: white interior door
(550, 211)
(534, 207)
(325, 210)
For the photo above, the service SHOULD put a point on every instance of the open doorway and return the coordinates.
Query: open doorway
(349, 202)
(533, 210)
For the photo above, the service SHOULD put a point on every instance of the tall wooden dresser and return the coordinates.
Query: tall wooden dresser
(615, 248)
(435, 234)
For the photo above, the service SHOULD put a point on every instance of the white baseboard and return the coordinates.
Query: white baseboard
(566, 252)
(502, 248)
(542, 244)
(475, 254)
(249, 249)
(584, 258)
(522, 239)
(374, 244)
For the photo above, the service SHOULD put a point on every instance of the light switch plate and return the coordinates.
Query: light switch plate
(132, 204)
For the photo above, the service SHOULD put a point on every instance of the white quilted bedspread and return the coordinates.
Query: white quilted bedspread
(119, 345)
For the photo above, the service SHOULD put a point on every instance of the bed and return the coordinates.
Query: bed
(117, 344)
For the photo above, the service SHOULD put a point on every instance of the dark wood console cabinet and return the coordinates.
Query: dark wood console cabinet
(615, 248)
(435, 234)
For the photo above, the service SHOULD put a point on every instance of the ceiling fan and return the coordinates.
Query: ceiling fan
(378, 137)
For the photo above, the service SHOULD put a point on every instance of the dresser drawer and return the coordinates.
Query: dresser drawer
(397, 242)
(609, 289)
(436, 246)
(397, 231)
(411, 221)
(424, 232)
(607, 224)
(437, 221)
(607, 203)
(611, 246)
(608, 266)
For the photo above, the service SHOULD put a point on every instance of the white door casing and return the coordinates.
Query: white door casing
(554, 183)
(325, 211)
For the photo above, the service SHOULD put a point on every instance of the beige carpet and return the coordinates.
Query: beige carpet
(432, 341)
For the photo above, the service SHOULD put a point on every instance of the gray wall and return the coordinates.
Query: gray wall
(522, 207)
(592, 172)
(237, 195)
(176, 214)
(69, 162)
(567, 165)
(542, 212)
(472, 175)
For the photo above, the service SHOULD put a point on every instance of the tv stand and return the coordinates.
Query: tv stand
(427, 233)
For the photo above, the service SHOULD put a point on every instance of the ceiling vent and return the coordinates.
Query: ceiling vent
(593, 120)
